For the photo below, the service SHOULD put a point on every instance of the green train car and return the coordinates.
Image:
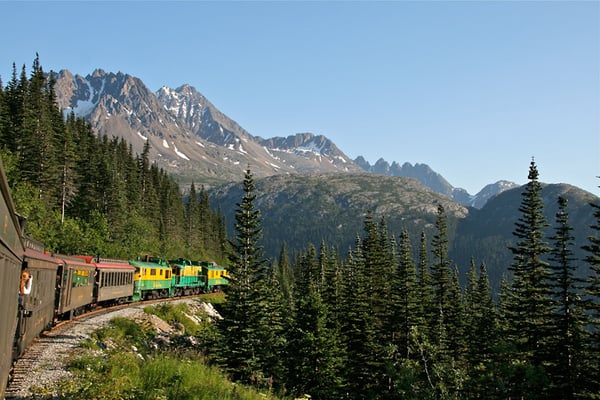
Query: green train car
(152, 279)
(187, 277)
(215, 276)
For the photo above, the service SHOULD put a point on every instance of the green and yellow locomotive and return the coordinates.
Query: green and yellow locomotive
(155, 278)
(152, 279)
(215, 276)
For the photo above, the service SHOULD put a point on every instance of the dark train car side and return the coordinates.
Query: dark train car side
(11, 260)
(76, 286)
(37, 313)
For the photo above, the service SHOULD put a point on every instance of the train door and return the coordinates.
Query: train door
(58, 289)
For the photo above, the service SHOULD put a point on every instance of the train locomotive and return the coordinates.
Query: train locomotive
(38, 288)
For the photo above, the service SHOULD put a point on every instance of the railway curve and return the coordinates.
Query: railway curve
(44, 362)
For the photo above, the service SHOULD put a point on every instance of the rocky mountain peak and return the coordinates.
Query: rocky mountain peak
(190, 137)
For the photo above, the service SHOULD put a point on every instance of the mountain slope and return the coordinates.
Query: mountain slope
(436, 182)
(189, 136)
(309, 208)
(486, 234)
(331, 208)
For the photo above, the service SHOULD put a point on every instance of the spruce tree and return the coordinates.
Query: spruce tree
(243, 320)
(314, 347)
(441, 279)
(528, 308)
(425, 288)
(363, 359)
(404, 297)
(481, 332)
(592, 305)
(567, 343)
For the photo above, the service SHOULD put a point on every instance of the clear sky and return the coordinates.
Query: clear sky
(473, 89)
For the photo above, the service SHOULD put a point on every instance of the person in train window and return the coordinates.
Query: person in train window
(24, 286)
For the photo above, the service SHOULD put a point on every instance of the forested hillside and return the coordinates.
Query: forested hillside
(379, 323)
(82, 193)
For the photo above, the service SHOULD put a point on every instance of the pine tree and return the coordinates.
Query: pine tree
(38, 141)
(405, 300)
(455, 321)
(592, 305)
(363, 362)
(243, 313)
(67, 162)
(528, 308)
(440, 276)
(566, 347)
(425, 289)
(191, 223)
(314, 347)
(482, 335)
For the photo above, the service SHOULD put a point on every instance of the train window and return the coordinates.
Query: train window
(168, 274)
(152, 271)
(161, 272)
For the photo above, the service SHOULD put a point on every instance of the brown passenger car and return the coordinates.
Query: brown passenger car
(39, 304)
(76, 287)
(114, 281)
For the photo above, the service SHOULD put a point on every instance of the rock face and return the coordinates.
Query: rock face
(194, 140)
(188, 135)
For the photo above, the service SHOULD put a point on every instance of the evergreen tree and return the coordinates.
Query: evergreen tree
(567, 342)
(440, 277)
(425, 288)
(481, 335)
(455, 321)
(363, 363)
(67, 162)
(405, 300)
(284, 274)
(314, 347)
(243, 320)
(192, 227)
(592, 305)
(528, 308)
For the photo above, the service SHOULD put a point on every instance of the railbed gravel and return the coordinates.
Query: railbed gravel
(44, 362)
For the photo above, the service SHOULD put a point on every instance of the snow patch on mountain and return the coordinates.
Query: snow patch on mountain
(180, 154)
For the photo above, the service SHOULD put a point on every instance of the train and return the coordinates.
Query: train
(39, 288)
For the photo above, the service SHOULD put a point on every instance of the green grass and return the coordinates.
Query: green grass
(164, 376)
(119, 362)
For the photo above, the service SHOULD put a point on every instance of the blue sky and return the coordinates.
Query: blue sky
(473, 89)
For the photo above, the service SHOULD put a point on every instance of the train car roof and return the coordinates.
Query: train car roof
(34, 254)
(74, 261)
(213, 267)
(114, 265)
(144, 264)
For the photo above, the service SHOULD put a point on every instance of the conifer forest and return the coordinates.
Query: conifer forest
(372, 323)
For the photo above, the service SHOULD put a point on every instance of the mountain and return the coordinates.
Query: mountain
(193, 140)
(436, 182)
(331, 208)
(189, 136)
(485, 234)
(311, 208)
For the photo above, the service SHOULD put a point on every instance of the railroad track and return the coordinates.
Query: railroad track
(43, 363)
